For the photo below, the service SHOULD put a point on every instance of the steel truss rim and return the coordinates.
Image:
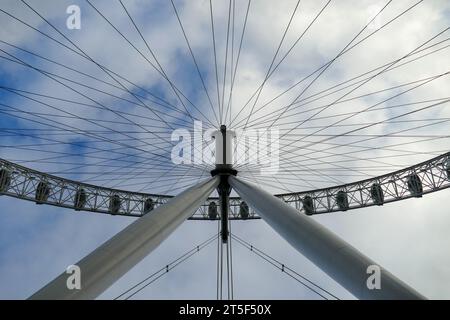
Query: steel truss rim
(135, 201)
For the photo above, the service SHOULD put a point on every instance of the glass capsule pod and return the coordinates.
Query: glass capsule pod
(5, 179)
(415, 185)
(342, 200)
(80, 199)
(42, 192)
(244, 210)
(377, 195)
(212, 210)
(447, 167)
(149, 205)
(308, 205)
(114, 204)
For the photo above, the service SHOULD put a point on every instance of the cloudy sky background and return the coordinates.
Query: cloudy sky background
(409, 238)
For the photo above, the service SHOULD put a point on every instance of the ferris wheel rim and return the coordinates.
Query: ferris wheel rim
(68, 191)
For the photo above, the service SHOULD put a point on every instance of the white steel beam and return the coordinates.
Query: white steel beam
(106, 264)
(342, 262)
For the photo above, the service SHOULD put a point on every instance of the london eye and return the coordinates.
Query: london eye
(243, 149)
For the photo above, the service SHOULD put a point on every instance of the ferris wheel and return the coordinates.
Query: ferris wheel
(224, 112)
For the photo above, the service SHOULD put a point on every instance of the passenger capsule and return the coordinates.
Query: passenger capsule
(212, 210)
(342, 200)
(447, 167)
(376, 192)
(5, 180)
(42, 192)
(80, 199)
(308, 205)
(114, 204)
(415, 185)
(149, 205)
(243, 210)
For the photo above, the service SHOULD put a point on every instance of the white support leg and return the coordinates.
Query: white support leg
(333, 255)
(106, 264)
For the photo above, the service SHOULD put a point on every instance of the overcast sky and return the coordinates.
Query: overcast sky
(409, 237)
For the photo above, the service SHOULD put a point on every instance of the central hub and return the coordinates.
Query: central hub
(224, 152)
(224, 168)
